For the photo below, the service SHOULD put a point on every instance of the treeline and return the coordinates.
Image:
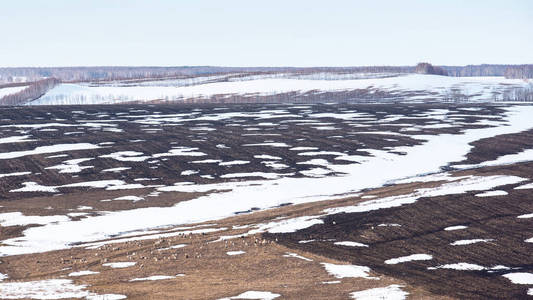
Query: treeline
(34, 91)
(524, 94)
(80, 74)
(523, 71)
(509, 71)
(90, 74)
(67, 74)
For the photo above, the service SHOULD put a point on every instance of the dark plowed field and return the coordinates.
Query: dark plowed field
(419, 228)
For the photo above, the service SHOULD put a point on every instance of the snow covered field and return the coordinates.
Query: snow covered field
(10, 90)
(414, 87)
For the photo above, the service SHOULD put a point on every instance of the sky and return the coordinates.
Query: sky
(39, 33)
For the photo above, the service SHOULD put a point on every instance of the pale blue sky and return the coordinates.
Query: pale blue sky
(264, 33)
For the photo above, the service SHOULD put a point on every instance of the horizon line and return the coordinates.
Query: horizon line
(259, 66)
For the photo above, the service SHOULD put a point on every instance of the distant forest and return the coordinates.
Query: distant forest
(76, 74)
(40, 80)
(33, 91)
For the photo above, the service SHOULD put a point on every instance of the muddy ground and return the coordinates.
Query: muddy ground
(209, 272)
(422, 231)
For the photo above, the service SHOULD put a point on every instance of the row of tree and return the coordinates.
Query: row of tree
(76, 74)
(524, 94)
(34, 91)
(509, 71)
(523, 71)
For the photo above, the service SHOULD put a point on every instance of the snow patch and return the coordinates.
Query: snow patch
(412, 257)
(391, 292)
(520, 277)
(290, 254)
(50, 289)
(492, 194)
(119, 265)
(527, 216)
(350, 244)
(256, 295)
(231, 253)
(472, 241)
(344, 271)
(83, 273)
(156, 277)
(462, 266)
(458, 227)
(49, 149)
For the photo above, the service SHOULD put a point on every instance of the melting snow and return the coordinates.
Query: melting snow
(266, 156)
(119, 265)
(235, 252)
(180, 151)
(524, 187)
(492, 193)
(126, 156)
(391, 292)
(188, 172)
(115, 170)
(520, 277)
(472, 241)
(16, 139)
(425, 158)
(472, 183)
(234, 162)
(130, 198)
(344, 271)
(303, 148)
(48, 149)
(50, 289)
(173, 247)
(291, 225)
(35, 187)
(71, 166)
(331, 282)
(254, 295)
(271, 144)
(350, 244)
(252, 174)
(83, 273)
(458, 227)
(413, 257)
(460, 266)
(105, 297)
(387, 224)
(526, 155)
(290, 254)
(14, 174)
(528, 216)
(156, 277)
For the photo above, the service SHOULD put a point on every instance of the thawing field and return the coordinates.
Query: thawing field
(10, 90)
(284, 87)
(362, 199)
